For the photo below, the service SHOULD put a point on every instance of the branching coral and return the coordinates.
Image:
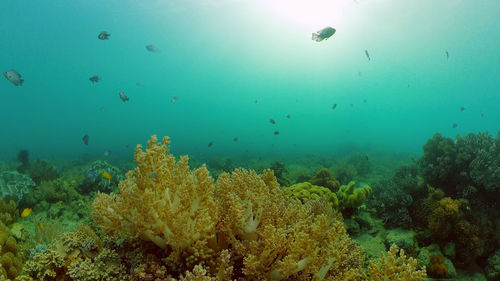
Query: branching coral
(242, 227)
(395, 267)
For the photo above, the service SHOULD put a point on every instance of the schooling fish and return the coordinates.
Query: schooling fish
(288, 116)
(334, 106)
(152, 49)
(447, 55)
(454, 125)
(210, 144)
(367, 55)
(123, 97)
(94, 79)
(272, 121)
(85, 139)
(103, 35)
(235, 139)
(174, 99)
(462, 108)
(14, 77)
(276, 132)
(323, 34)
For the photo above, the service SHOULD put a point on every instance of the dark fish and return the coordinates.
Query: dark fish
(85, 139)
(210, 144)
(447, 55)
(323, 34)
(462, 108)
(235, 139)
(127, 145)
(276, 132)
(359, 73)
(123, 97)
(367, 55)
(334, 106)
(103, 35)
(152, 49)
(455, 125)
(272, 121)
(255, 101)
(482, 115)
(408, 85)
(107, 153)
(366, 157)
(288, 116)
(364, 101)
(351, 105)
(14, 77)
(174, 99)
(138, 84)
(94, 79)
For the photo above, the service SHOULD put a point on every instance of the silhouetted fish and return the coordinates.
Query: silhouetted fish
(482, 115)
(447, 55)
(323, 34)
(462, 108)
(85, 139)
(94, 79)
(123, 97)
(272, 121)
(235, 139)
(334, 106)
(14, 77)
(288, 116)
(103, 35)
(455, 125)
(210, 144)
(152, 49)
(174, 99)
(367, 55)
(276, 132)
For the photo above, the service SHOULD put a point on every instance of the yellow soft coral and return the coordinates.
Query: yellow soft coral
(162, 200)
(395, 267)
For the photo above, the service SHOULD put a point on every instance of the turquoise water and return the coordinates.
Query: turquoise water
(219, 57)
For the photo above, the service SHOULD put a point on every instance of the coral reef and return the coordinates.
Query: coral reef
(241, 227)
(305, 191)
(14, 185)
(8, 212)
(279, 171)
(325, 178)
(41, 170)
(350, 198)
(23, 156)
(96, 181)
(344, 172)
(395, 266)
(56, 190)
(10, 257)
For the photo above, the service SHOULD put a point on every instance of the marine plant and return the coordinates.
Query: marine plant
(241, 227)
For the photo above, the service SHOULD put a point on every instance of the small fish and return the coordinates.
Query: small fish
(174, 99)
(102, 109)
(276, 132)
(447, 55)
(94, 79)
(323, 34)
(482, 115)
(85, 139)
(152, 49)
(235, 139)
(367, 55)
(103, 35)
(127, 145)
(40, 225)
(462, 108)
(26, 212)
(153, 175)
(454, 125)
(334, 106)
(272, 121)
(366, 157)
(351, 105)
(210, 144)
(288, 116)
(408, 85)
(123, 97)
(138, 84)
(359, 73)
(255, 101)
(107, 152)
(106, 175)
(90, 174)
(14, 77)
(364, 101)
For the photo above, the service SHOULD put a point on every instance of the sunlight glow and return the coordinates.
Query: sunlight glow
(314, 14)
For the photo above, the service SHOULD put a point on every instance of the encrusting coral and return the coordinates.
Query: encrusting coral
(241, 227)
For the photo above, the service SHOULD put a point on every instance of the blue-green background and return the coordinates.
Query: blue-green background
(219, 57)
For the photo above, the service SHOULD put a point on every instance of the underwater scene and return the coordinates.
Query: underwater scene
(250, 140)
